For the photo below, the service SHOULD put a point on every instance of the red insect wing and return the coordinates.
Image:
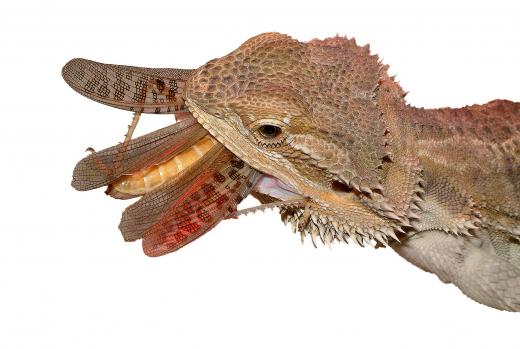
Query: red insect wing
(210, 198)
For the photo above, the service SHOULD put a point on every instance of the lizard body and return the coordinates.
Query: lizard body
(322, 121)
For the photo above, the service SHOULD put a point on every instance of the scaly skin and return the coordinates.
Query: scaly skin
(440, 186)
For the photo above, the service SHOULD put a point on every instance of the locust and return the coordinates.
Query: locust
(320, 131)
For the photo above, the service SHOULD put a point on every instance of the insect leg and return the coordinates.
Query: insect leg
(128, 136)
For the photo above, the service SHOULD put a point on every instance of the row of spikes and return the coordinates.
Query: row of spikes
(329, 230)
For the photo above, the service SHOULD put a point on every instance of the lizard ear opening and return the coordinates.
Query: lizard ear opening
(340, 187)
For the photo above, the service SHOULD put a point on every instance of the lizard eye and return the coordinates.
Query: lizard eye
(269, 131)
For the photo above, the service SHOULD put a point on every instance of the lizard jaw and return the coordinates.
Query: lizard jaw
(331, 215)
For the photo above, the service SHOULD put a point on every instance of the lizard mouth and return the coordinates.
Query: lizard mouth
(275, 188)
(152, 177)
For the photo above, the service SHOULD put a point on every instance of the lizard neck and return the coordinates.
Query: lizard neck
(472, 150)
(475, 148)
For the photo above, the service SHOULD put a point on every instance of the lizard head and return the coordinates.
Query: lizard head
(304, 113)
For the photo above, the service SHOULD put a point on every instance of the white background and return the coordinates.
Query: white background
(67, 279)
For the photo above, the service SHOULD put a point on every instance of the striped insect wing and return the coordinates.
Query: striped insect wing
(145, 90)
(202, 203)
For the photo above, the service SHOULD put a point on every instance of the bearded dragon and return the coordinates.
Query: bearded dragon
(320, 130)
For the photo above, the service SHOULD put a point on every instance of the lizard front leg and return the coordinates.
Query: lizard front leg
(483, 268)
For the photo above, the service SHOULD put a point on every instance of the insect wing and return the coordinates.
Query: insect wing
(145, 90)
(211, 197)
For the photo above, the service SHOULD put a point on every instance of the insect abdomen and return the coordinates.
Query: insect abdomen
(148, 179)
